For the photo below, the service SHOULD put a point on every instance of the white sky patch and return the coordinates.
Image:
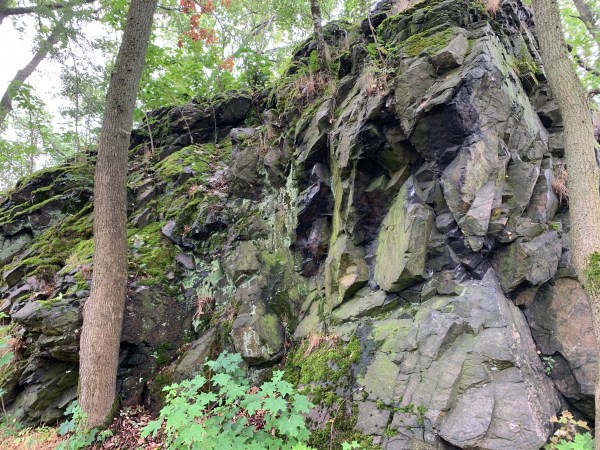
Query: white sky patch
(17, 49)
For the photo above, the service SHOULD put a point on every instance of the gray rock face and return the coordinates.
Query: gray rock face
(194, 359)
(561, 325)
(245, 178)
(346, 270)
(465, 369)
(403, 240)
(258, 336)
(533, 261)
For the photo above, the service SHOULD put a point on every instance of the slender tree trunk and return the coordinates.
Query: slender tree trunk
(103, 312)
(322, 48)
(77, 139)
(588, 18)
(33, 145)
(6, 103)
(583, 172)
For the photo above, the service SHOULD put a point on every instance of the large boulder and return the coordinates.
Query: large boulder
(464, 369)
(527, 261)
(258, 336)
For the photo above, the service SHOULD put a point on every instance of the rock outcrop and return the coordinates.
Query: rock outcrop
(399, 208)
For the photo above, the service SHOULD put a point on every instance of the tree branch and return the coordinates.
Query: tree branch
(6, 103)
(581, 62)
(587, 17)
(22, 10)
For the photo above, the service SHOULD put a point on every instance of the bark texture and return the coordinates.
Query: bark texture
(322, 48)
(583, 171)
(103, 313)
(6, 103)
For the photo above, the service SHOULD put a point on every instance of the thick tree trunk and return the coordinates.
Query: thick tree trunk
(583, 172)
(322, 48)
(6, 103)
(103, 312)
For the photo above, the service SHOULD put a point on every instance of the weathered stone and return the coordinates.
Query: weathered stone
(532, 261)
(556, 144)
(142, 219)
(371, 419)
(452, 55)
(144, 197)
(544, 202)
(312, 137)
(411, 84)
(474, 224)
(310, 320)
(245, 178)
(346, 270)
(466, 176)
(186, 261)
(49, 387)
(10, 246)
(380, 379)
(403, 240)
(55, 319)
(154, 319)
(561, 324)
(468, 366)
(168, 230)
(258, 337)
(365, 303)
(238, 135)
(13, 275)
(242, 261)
(193, 359)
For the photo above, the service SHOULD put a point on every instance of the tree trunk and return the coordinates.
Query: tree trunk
(583, 172)
(6, 103)
(103, 312)
(588, 18)
(322, 48)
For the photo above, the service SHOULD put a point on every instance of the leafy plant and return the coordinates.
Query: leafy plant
(221, 410)
(79, 436)
(570, 436)
(6, 356)
(548, 364)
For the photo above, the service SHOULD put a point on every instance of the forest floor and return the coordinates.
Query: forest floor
(124, 433)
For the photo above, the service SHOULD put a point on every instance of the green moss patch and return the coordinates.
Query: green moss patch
(152, 255)
(427, 42)
(592, 272)
(53, 248)
(328, 363)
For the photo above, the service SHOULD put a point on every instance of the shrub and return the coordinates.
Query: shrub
(221, 410)
(569, 435)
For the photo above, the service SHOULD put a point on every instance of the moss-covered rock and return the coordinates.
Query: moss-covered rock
(403, 240)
